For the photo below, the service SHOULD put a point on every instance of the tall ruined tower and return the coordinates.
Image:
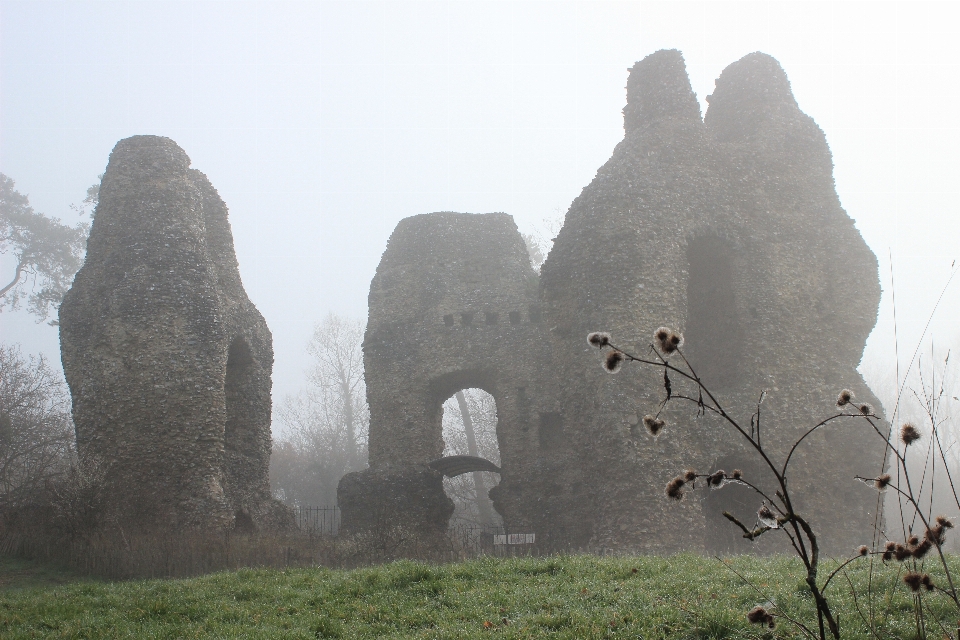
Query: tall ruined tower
(730, 229)
(726, 227)
(167, 360)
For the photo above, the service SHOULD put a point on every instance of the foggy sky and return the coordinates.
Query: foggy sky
(323, 124)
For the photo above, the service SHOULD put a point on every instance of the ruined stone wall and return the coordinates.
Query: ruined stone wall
(726, 227)
(167, 360)
(729, 229)
(453, 305)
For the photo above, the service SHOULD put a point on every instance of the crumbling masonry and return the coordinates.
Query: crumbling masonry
(727, 227)
(167, 360)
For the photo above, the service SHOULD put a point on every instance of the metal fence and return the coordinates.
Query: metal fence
(319, 520)
(466, 539)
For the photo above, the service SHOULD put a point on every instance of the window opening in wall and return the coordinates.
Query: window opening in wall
(470, 429)
(713, 333)
(239, 431)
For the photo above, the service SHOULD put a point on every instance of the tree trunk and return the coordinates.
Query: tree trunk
(484, 508)
(352, 462)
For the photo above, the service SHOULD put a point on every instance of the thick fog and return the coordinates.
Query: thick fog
(324, 124)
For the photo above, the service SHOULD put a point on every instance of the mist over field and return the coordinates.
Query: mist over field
(324, 124)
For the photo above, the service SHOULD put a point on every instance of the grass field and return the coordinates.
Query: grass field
(682, 596)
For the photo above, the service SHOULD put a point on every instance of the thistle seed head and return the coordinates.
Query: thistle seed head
(882, 482)
(901, 553)
(717, 479)
(737, 474)
(922, 549)
(866, 409)
(927, 582)
(944, 522)
(613, 362)
(913, 580)
(668, 340)
(598, 339)
(935, 534)
(767, 517)
(759, 615)
(654, 425)
(863, 550)
(909, 434)
(689, 475)
(675, 488)
(844, 398)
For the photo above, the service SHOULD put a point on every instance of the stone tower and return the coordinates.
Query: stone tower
(167, 360)
(730, 229)
(726, 227)
(453, 305)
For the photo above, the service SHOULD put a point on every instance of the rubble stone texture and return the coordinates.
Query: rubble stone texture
(167, 360)
(726, 227)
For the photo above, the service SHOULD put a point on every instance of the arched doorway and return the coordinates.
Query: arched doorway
(470, 429)
(240, 435)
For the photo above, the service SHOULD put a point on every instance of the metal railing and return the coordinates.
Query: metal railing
(318, 520)
(466, 539)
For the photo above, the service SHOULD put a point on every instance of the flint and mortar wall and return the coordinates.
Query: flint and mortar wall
(728, 228)
(167, 360)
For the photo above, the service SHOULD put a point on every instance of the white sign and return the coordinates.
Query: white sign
(515, 538)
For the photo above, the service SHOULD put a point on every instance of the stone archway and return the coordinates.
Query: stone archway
(471, 456)
(453, 303)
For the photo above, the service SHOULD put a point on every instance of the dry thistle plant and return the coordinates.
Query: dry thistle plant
(775, 511)
(923, 533)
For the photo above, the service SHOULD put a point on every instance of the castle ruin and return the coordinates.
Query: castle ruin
(727, 227)
(167, 360)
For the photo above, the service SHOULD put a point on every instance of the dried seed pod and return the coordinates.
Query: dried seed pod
(909, 434)
(882, 482)
(653, 425)
(668, 340)
(598, 339)
(614, 361)
(767, 517)
(913, 580)
(844, 398)
(717, 479)
(675, 488)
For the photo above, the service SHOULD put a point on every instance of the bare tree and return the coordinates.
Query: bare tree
(46, 252)
(36, 433)
(325, 425)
